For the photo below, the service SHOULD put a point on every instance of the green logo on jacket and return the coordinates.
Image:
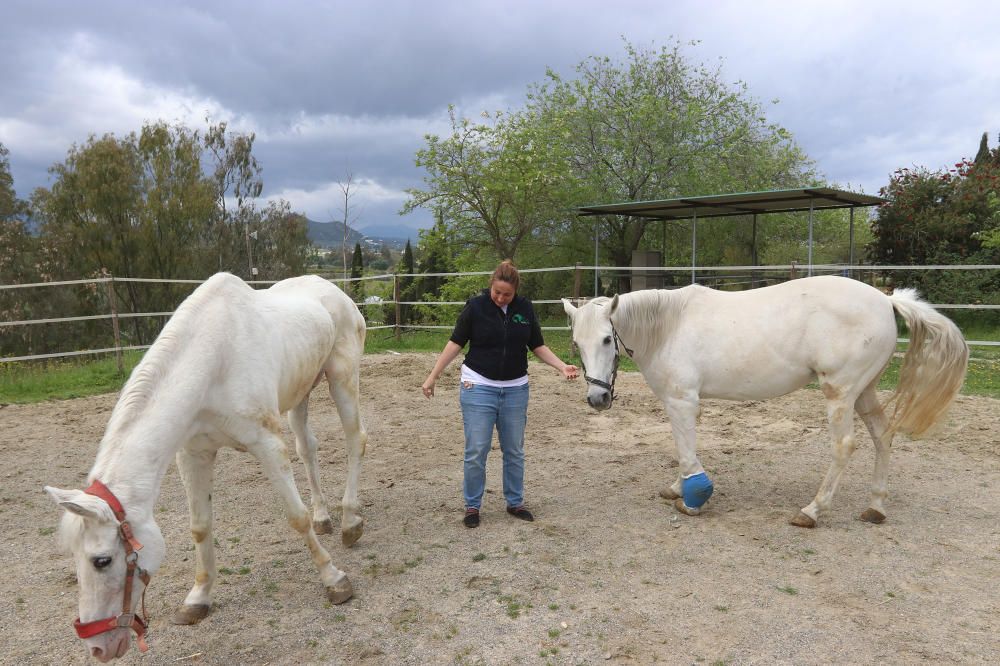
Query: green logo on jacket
(519, 319)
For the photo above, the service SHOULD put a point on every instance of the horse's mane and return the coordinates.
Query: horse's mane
(158, 360)
(647, 316)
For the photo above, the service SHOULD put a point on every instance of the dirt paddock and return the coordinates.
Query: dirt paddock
(608, 573)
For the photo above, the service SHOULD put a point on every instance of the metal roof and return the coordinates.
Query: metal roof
(746, 203)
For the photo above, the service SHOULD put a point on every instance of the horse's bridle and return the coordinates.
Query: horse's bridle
(610, 388)
(126, 619)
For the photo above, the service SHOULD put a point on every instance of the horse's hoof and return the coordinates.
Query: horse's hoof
(190, 614)
(323, 526)
(351, 535)
(802, 520)
(684, 508)
(341, 592)
(872, 516)
(668, 493)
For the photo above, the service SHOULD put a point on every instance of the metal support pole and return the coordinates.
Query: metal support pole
(810, 269)
(694, 245)
(850, 252)
(597, 271)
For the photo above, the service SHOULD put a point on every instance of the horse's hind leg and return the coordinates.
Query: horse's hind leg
(870, 410)
(197, 470)
(305, 445)
(271, 452)
(344, 388)
(841, 418)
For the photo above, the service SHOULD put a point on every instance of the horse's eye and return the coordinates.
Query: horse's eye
(607, 340)
(101, 562)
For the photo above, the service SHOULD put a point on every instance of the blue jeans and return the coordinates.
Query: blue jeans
(506, 409)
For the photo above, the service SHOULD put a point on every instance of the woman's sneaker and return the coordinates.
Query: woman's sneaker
(471, 518)
(520, 512)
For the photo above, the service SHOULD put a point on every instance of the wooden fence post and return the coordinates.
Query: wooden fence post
(114, 319)
(395, 297)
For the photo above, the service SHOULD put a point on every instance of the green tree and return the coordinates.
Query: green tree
(657, 126)
(237, 177)
(357, 270)
(405, 269)
(19, 264)
(498, 182)
(943, 217)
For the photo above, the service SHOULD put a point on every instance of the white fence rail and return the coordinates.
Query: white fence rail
(787, 271)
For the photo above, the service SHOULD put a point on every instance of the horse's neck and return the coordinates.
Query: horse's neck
(644, 318)
(143, 435)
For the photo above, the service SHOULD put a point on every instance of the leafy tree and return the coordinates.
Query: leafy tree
(357, 269)
(18, 265)
(237, 176)
(943, 217)
(498, 181)
(407, 285)
(654, 126)
(657, 127)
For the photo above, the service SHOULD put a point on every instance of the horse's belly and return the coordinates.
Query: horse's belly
(755, 385)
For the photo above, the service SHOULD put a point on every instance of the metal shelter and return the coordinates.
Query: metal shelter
(747, 203)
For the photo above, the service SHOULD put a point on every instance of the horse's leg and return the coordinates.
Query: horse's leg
(197, 469)
(344, 388)
(271, 452)
(840, 415)
(870, 410)
(683, 412)
(305, 445)
(673, 491)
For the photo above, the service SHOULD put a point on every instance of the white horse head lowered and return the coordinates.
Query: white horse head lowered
(694, 343)
(224, 369)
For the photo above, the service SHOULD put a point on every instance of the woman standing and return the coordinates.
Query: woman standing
(500, 327)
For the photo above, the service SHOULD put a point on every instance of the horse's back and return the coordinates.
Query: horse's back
(770, 341)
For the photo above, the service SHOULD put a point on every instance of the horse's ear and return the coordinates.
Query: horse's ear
(614, 305)
(80, 503)
(569, 308)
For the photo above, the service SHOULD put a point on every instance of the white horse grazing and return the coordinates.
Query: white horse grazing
(696, 342)
(225, 367)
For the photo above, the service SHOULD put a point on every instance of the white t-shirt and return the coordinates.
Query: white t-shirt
(469, 375)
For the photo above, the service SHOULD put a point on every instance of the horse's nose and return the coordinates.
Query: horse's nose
(600, 401)
(101, 655)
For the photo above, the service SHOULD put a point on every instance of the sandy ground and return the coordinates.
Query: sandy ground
(608, 573)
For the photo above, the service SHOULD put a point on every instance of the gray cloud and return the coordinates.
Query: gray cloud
(337, 88)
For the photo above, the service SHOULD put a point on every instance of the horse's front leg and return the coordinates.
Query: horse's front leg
(271, 452)
(692, 488)
(345, 393)
(305, 445)
(197, 468)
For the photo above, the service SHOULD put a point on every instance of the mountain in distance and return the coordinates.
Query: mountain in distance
(331, 234)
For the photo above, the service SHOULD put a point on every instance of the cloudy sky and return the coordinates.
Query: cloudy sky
(338, 88)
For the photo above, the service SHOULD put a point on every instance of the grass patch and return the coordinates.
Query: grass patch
(25, 383)
(31, 382)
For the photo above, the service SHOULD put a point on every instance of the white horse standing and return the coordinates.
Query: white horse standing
(225, 367)
(696, 342)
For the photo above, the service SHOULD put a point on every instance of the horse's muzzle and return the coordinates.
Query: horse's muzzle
(599, 400)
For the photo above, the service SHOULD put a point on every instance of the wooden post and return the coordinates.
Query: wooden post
(395, 297)
(114, 320)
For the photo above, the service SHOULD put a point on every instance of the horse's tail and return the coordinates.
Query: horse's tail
(933, 368)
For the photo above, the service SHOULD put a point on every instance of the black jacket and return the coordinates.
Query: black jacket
(498, 343)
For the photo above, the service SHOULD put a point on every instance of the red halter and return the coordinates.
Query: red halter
(126, 619)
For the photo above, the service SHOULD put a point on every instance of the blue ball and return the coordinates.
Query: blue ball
(696, 490)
